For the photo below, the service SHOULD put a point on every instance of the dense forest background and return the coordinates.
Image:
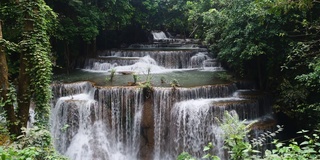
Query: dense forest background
(275, 43)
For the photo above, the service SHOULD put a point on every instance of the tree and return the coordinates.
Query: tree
(28, 37)
(275, 43)
(299, 87)
(4, 90)
(80, 22)
(243, 34)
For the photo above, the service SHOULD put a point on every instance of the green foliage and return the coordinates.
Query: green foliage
(235, 132)
(65, 127)
(208, 155)
(275, 43)
(87, 18)
(174, 83)
(300, 69)
(163, 80)
(29, 25)
(311, 80)
(11, 97)
(158, 14)
(185, 156)
(238, 146)
(3, 124)
(224, 76)
(307, 149)
(34, 144)
(147, 85)
(112, 73)
(36, 45)
(135, 78)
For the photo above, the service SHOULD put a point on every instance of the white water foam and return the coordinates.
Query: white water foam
(159, 35)
(197, 60)
(82, 131)
(143, 66)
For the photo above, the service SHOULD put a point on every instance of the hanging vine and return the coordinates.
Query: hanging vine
(38, 20)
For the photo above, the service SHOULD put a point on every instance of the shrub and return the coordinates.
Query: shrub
(34, 144)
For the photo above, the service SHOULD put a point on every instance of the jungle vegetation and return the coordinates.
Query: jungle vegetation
(276, 43)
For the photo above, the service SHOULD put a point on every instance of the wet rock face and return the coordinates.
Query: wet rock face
(68, 123)
(147, 131)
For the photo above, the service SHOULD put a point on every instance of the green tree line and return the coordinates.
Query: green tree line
(273, 42)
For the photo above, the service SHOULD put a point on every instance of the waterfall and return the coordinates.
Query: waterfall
(106, 63)
(179, 59)
(103, 123)
(191, 121)
(192, 127)
(163, 46)
(197, 60)
(143, 66)
(159, 35)
(168, 59)
(69, 89)
(100, 120)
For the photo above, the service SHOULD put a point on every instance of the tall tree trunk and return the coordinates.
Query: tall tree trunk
(23, 95)
(8, 107)
(23, 92)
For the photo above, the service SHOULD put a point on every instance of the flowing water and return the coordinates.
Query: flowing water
(95, 118)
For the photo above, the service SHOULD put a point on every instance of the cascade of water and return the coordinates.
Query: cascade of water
(143, 66)
(117, 123)
(168, 59)
(66, 118)
(99, 66)
(106, 63)
(162, 104)
(191, 118)
(159, 35)
(102, 66)
(124, 106)
(197, 61)
(192, 126)
(127, 59)
(158, 46)
(61, 90)
(164, 98)
(212, 64)
(104, 124)
(148, 59)
(213, 91)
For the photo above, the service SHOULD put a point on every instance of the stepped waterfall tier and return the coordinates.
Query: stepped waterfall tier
(170, 107)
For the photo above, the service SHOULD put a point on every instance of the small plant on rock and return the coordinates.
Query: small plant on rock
(147, 86)
(224, 76)
(112, 74)
(163, 80)
(174, 83)
(135, 78)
